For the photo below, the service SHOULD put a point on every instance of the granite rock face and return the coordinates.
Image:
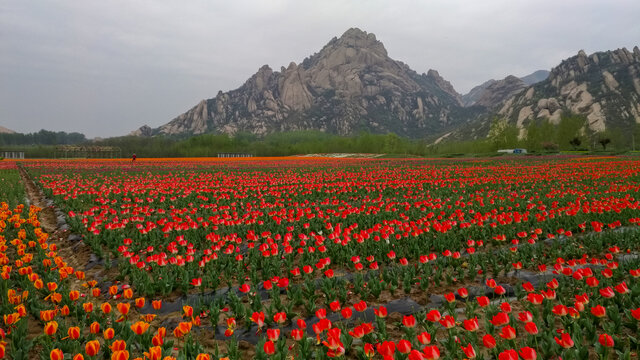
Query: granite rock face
(349, 86)
(604, 87)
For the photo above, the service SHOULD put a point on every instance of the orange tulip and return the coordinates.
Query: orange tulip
(80, 275)
(157, 340)
(118, 345)
(113, 290)
(56, 354)
(74, 295)
(94, 328)
(140, 327)
(56, 297)
(64, 311)
(95, 292)
(123, 308)
(38, 284)
(92, 348)
(50, 328)
(203, 357)
(108, 333)
(88, 307)
(127, 293)
(47, 315)
(148, 317)
(155, 353)
(52, 286)
(120, 355)
(140, 302)
(188, 311)
(73, 332)
(182, 329)
(157, 304)
(106, 308)
(78, 357)
(11, 319)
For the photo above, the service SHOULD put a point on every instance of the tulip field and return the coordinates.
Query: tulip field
(318, 258)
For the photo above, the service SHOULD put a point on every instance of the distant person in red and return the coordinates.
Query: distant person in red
(133, 158)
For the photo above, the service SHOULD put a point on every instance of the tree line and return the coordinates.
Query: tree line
(570, 133)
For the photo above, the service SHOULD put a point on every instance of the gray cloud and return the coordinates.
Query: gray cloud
(105, 68)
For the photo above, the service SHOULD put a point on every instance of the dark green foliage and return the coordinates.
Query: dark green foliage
(42, 137)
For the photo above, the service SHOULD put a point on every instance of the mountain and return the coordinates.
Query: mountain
(4, 130)
(349, 86)
(535, 77)
(498, 91)
(493, 92)
(604, 87)
(472, 96)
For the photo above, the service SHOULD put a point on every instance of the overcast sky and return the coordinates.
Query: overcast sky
(105, 68)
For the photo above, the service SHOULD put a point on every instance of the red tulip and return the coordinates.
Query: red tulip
(433, 315)
(380, 312)
(508, 355)
(450, 297)
(500, 319)
(488, 341)
(565, 341)
(508, 332)
(409, 321)
(360, 306)
(346, 313)
(527, 353)
(424, 338)
(386, 348)
(607, 292)
(415, 355)
(448, 321)
(560, 310)
(605, 340)
(471, 324)
(469, 351)
(431, 352)
(531, 328)
(269, 347)
(404, 346)
(297, 334)
(599, 311)
(463, 293)
(482, 301)
(273, 334)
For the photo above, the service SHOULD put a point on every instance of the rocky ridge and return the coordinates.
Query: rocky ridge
(493, 92)
(349, 86)
(604, 87)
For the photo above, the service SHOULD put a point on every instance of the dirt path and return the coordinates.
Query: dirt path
(76, 253)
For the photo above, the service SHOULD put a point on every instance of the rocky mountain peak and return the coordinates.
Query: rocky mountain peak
(444, 85)
(357, 38)
(350, 85)
(143, 131)
(496, 92)
(580, 64)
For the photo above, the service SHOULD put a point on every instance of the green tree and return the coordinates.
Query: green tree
(392, 144)
(502, 134)
(570, 127)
